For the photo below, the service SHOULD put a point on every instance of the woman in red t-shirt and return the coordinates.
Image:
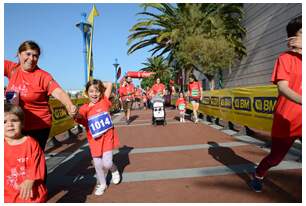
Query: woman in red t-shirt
(158, 88)
(287, 121)
(195, 95)
(101, 134)
(33, 86)
(24, 161)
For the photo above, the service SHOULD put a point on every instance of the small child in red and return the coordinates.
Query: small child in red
(24, 161)
(101, 134)
(181, 105)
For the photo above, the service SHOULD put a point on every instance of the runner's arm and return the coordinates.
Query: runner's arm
(63, 97)
(284, 90)
(108, 90)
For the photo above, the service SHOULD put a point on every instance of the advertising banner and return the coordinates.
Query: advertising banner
(61, 121)
(248, 106)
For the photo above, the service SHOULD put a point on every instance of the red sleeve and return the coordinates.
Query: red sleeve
(200, 85)
(8, 67)
(177, 102)
(282, 69)
(37, 163)
(109, 103)
(163, 87)
(48, 83)
(81, 119)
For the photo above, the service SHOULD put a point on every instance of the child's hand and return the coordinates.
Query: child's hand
(26, 189)
(295, 42)
(73, 110)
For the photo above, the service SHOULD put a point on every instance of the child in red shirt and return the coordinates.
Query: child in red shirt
(101, 134)
(24, 161)
(181, 105)
(287, 121)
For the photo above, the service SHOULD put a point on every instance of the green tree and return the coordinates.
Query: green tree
(207, 54)
(155, 30)
(185, 31)
(161, 68)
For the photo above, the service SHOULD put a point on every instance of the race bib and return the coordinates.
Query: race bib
(181, 106)
(195, 92)
(99, 124)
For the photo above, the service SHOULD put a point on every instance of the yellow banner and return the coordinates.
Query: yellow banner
(248, 106)
(61, 121)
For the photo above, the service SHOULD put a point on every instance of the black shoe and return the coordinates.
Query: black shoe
(256, 184)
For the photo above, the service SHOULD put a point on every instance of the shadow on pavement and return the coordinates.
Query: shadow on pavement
(133, 117)
(229, 158)
(72, 187)
(121, 159)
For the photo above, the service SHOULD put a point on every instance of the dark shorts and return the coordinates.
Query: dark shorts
(127, 105)
(194, 100)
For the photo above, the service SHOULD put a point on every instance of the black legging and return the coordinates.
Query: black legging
(40, 135)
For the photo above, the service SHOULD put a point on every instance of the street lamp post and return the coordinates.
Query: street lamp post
(116, 70)
(84, 27)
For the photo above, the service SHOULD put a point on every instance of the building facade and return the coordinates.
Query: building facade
(265, 39)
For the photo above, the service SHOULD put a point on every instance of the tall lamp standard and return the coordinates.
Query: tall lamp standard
(85, 28)
(116, 70)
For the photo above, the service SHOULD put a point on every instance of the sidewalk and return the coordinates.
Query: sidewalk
(179, 162)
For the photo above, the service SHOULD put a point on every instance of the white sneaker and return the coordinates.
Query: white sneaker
(116, 177)
(100, 189)
(183, 120)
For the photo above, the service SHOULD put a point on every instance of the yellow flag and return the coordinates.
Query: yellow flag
(94, 12)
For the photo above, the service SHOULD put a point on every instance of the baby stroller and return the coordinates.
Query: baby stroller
(158, 110)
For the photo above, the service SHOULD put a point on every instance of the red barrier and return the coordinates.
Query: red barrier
(139, 74)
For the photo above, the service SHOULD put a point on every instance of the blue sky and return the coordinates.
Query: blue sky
(52, 26)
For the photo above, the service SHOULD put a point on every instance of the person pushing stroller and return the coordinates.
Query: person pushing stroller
(158, 102)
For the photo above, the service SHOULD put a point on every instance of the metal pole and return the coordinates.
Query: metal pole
(116, 70)
(85, 56)
(84, 27)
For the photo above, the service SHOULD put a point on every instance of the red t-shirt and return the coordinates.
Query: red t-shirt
(181, 103)
(158, 88)
(34, 90)
(127, 92)
(138, 93)
(149, 93)
(109, 140)
(21, 162)
(194, 89)
(287, 121)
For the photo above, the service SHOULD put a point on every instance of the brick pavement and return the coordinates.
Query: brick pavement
(179, 162)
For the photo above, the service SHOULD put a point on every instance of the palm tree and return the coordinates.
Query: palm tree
(172, 27)
(161, 68)
(156, 30)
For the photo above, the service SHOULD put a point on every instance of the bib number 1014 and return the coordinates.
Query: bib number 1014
(99, 124)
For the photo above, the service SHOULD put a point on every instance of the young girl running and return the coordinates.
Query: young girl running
(24, 161)
(181, 105)
(287, 120)
(101, 134)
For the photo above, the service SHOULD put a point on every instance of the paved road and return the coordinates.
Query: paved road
(179, 162)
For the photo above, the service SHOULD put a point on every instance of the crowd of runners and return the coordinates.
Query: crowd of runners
(27, 118)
